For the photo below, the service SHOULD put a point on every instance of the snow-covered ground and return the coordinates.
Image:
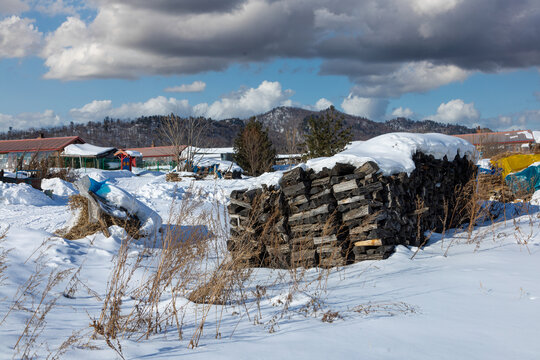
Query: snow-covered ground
(480, 301)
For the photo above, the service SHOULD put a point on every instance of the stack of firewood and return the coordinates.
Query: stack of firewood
(345, 214)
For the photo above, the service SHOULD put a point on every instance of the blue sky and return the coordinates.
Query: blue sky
(474, 62)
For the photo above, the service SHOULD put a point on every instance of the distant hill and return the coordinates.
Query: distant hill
(280, 119)
(144, 131)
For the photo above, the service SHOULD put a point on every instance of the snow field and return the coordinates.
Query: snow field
(480, 301)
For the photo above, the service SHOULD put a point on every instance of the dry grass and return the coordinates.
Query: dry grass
(172, 177)
(3, 256)
(35, 298)
(385, 309)
(78, 204)
(49, 167)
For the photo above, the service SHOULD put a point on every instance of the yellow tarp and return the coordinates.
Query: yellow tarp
(514, 163)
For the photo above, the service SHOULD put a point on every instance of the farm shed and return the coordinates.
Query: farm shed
(158, 157)
(287, 159)
(17, 153)
(492, 143)
(200, 154)
(90, 156)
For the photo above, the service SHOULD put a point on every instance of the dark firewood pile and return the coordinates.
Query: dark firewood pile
(345, 214)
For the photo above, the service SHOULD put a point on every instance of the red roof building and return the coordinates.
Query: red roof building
(158, 151)
(39, 144)
(159, 156)
(11, 151)
(491, 143)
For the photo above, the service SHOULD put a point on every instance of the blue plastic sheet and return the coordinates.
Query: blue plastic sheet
(525, 180)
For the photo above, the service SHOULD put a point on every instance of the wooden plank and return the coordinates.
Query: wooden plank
(323, 209)
(372, 242)
(363, 228)
(364, 257)
(324, 239)
(357, 213)
(351, 200)
(322, 193)
(318, 182)
(345, 186)
(306, 228)
(294, 189)
(241, 228)
(368, 168)
(240, 203)
(328, 249)
(285, 248)
(239, 217)
(299, 200)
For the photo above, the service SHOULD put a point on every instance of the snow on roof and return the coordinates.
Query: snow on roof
(288, 156)
(528, 134)
(222, 150)
(222, 165)
(536, 135)
(85, 150)
(158, 151)
(133, 153)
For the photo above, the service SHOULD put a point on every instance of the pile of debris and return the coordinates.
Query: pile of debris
(345, 214)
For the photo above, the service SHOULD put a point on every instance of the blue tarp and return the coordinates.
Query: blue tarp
(525, 180)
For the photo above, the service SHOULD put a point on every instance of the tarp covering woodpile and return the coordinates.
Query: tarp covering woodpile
(357, 205)
(525, 181)
(514, 163)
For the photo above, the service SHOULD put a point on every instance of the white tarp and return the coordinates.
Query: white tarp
(85, 150)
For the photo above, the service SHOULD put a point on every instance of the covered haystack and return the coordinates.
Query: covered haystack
(101, 205)
(83, 226)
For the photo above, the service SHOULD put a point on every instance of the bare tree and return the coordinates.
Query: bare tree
(184, 135)
(194, 129)
(171, 131)
(293, 141)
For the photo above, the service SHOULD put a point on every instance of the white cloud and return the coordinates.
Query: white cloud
(47, 118)
(457, 112)
(529, 119)
(192, 41)
(57, 7)
(247, 102)
(371, 108)
(196, 86)
(18, 37)
(10, 7)
(403, 112)
(242, 104)
(327, 20)
(99, 109)
(434, 7)
(410, 77)
(322, 104)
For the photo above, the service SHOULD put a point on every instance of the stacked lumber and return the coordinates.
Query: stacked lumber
(345, 214)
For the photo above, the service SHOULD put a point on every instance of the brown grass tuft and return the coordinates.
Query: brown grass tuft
(83, 227)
